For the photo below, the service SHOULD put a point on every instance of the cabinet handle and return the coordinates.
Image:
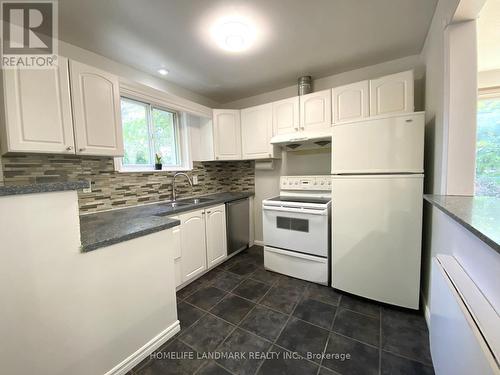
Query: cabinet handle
(69, 148)
(217, 157)
(81, 149)
(209, 212)
(270, 155)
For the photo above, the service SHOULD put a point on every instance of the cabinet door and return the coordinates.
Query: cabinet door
(257, 131)
(177, 249)
(38, 110)
(316, 110)
(216, 234)
(96, 111)
(201, 136)
(227, 134)
(193, 244)
(392, 94)
(350, 102)
(286, 116)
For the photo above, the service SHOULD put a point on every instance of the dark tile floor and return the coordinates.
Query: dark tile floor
(281, 325)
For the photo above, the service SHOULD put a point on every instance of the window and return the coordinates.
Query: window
(149, 130)
(488, 144)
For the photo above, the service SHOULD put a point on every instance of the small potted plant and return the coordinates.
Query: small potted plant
(158, 164)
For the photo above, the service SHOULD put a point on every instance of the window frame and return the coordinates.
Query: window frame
(484, 93)
(181, 136)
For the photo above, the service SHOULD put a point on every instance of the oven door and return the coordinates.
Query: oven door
(290, 228)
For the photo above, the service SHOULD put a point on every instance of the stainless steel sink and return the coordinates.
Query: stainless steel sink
(196, 200)
(175, 204)
(171, 206)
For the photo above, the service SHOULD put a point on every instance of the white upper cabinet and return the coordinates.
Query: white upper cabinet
(215, 221)
(350, 102)
(392, 94)
(96, 111)
(286, 116)
(37, 110)
(227, 134)
(201, 138)
(316, 110)
(257, 131)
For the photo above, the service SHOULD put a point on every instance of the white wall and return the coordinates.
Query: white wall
(131, 74)
(488, 78)
(450, 97)
(433, 57)
(369, 72)
(461, 108)
(66, 312)
(308, 162)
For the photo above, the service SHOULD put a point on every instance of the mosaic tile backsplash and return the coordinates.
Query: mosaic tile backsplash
(111, 189)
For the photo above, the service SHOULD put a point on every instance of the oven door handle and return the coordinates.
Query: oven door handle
(323, 212)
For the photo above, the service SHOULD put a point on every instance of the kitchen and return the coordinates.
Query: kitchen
(218, 211)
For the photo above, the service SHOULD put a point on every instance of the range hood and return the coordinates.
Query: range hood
(304, 140)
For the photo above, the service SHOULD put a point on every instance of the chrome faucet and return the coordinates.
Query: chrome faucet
(174, 195)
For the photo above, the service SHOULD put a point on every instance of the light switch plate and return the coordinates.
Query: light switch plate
(195, 180)
(89, 189)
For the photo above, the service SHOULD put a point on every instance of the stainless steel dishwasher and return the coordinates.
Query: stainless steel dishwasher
(237, 225)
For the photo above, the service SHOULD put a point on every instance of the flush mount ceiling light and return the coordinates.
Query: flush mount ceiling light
(234, 34)
(163, 71)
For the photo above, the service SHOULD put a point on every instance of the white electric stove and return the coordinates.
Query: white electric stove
(296, 227)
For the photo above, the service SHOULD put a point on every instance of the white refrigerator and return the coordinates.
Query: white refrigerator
(377, 198)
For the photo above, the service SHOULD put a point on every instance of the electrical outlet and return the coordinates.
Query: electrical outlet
(89, 189)
(195, 180)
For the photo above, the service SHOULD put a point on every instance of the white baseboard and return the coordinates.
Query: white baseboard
(258, 242)
(135, 358)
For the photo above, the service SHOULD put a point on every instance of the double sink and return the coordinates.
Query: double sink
(172, 206)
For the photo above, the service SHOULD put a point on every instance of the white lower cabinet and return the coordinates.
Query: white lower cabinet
(199, 242)
(193, 244)
(176, 245)
(215, 226)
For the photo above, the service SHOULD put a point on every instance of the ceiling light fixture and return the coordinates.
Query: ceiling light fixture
(163, 71)
(234, 34)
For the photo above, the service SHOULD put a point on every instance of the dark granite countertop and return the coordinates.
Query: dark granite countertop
(111, 227)
(480, 215)
(33, 187)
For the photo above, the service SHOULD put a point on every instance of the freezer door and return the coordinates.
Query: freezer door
(376, 237)
(389, 145)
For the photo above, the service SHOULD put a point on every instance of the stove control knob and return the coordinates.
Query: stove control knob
(322, 182)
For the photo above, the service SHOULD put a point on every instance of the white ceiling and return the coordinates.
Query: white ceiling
(488, 30)
(315, 37)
